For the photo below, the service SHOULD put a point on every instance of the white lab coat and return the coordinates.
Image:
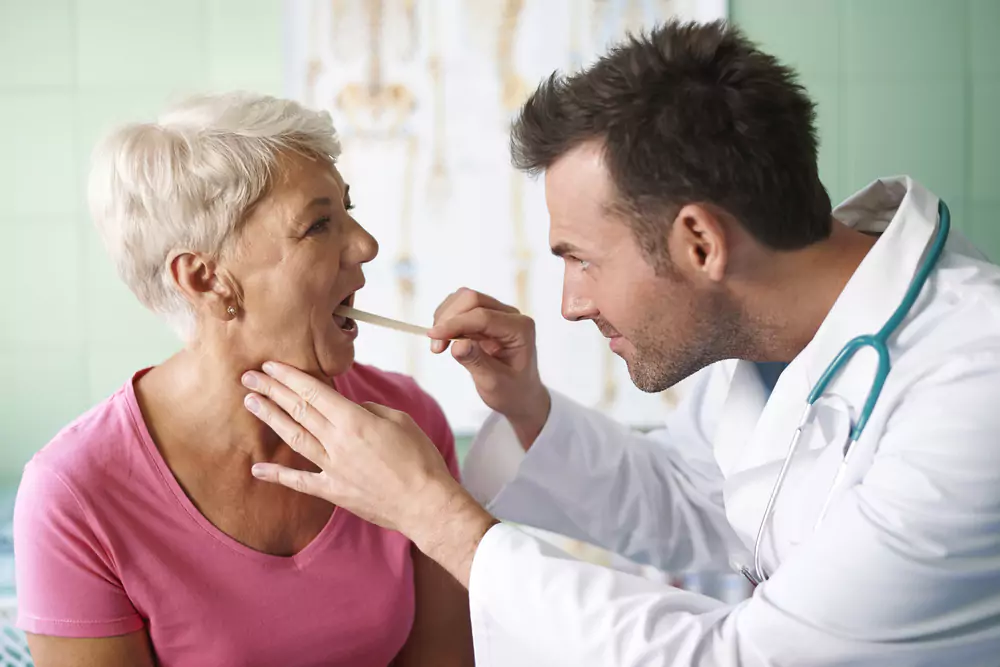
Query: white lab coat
(905, 568)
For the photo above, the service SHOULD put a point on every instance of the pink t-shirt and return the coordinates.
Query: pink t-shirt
(107, 543)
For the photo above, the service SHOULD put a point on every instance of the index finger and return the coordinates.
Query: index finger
(480, 324)
(466, 299)
(327, 400)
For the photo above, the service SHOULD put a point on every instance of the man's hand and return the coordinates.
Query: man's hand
(498, 349)
(374, 462)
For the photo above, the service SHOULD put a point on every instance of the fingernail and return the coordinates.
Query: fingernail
(251, 403)
(249, 380)
(268, 368)
(257, 470)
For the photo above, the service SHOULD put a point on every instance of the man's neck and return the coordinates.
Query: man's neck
(799, 288)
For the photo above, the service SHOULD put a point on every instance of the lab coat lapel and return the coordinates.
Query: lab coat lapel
(906, 214)
(741, 410)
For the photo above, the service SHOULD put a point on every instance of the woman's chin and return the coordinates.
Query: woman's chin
(335, 359)
(326, 356)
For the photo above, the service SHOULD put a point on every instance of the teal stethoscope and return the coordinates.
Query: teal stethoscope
(878, 342)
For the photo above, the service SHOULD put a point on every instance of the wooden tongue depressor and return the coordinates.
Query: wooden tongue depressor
(378, 320)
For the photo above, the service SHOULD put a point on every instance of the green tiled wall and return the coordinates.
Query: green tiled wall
(903, 86)
(71, 332)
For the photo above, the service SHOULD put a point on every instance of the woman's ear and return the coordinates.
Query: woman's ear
(207, 287)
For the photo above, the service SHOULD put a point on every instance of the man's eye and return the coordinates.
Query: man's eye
(584, 264)
(318, 227)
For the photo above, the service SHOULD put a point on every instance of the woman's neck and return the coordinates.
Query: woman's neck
(195, 399)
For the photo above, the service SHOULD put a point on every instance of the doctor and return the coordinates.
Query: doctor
(681, 181)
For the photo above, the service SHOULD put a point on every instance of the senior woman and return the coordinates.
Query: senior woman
(141, 537)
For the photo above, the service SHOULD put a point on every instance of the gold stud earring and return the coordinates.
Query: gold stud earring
(232, 311)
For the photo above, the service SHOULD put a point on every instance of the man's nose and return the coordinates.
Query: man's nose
(576, 307)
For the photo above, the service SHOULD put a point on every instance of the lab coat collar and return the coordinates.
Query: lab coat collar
(905, 214)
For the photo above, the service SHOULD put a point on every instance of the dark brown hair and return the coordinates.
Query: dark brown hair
(688, 113)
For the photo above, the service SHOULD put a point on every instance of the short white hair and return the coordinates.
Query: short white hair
(187, 181)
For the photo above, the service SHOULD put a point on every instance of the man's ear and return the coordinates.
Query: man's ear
(207, 287)
(698, 243)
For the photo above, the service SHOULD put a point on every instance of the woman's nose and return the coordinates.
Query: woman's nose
(364, 246)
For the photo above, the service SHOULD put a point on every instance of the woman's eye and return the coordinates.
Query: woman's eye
(348, 206)
(318, 226)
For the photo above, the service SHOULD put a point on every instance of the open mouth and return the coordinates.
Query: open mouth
(346, 323)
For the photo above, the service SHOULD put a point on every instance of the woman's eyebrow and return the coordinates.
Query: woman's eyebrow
(315, 203)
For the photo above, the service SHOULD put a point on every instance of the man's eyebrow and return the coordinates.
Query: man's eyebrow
(563, 249)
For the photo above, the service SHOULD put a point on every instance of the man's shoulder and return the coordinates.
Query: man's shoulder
(960, 313)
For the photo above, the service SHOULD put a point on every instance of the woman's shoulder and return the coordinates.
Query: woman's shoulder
(95, 445)
(65, 519)
(364, 384)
